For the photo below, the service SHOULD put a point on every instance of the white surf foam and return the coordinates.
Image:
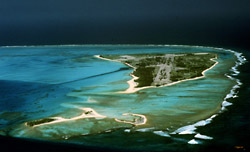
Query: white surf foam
(185, 130)
(161, 133)
(190, 129)
(144, 129)
(225, 103)
(203, 136)
(193, 141)
(127, 130)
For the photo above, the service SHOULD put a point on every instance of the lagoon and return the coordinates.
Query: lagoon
(40, 82)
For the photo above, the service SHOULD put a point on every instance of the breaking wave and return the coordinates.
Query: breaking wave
(191, 129)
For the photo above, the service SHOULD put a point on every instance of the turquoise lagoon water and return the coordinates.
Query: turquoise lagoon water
(55, 81)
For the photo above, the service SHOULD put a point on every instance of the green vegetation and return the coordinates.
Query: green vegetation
(145, 75)
(88, 112)
(161, 69)
(190, 66)
(40, 121)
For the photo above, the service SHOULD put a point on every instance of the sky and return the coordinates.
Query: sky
(41, 22)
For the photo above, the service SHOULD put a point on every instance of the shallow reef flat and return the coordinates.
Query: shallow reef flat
(82, 94)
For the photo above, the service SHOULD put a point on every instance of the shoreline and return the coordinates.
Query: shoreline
(133, 84)
(133, 123)
(191, 129)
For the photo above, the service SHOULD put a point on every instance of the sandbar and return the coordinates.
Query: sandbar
(88, 113)
(138, 121)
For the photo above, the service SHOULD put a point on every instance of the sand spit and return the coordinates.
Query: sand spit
(88, 113)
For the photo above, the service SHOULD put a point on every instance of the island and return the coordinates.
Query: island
(157, 70)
